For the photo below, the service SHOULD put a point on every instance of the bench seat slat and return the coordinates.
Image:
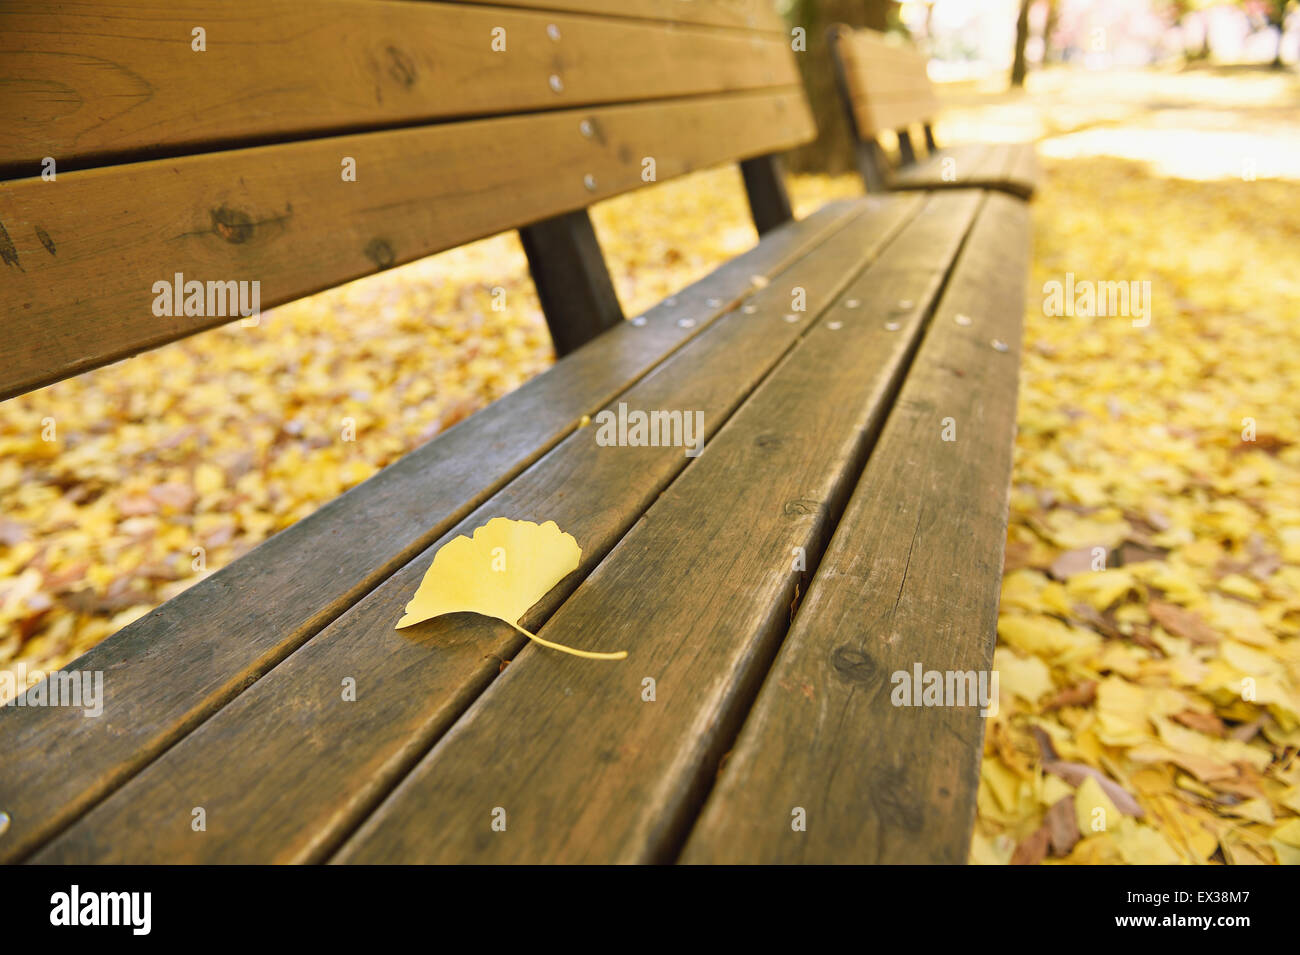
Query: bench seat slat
(119, 81)
(699, 592)
(1007, 167)
(168, 671)
(282, 216)
(912, 576)
(272, 794)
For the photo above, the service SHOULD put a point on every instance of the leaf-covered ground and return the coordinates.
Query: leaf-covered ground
(1157, 696)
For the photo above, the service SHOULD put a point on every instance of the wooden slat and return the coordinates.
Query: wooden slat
(887, 83)
(289, 796)
(93, 82)
(699, 593)
(1023, 171)
(912, 576)
(754, 14)
(170, 670)
(1006, 167)
(88, 248)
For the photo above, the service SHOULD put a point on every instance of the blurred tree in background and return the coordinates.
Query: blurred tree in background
(831, 151)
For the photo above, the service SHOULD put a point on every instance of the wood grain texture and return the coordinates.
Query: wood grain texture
(1006, 167)
(911, 576)
(89, 248)
(167, 672)
(699, 592)
(118, 80)
(288, 768)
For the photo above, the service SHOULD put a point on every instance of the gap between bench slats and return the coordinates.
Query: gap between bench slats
(281, 216)
(288, 768)
(911, 576)
(699, 592)
(124, 83)
(170, 670)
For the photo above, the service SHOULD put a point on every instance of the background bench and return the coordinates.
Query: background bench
(886, 87)
(228, 697)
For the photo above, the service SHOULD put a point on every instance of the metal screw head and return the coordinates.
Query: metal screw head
(892, 326)
(586, 128)
(961, 319)
(638, 321)
(835, 326)
(557, 84)
(714, 302)
(905, 303)
(852, 303)
(552, 31)
(999, 345)
(590, 182)
(749, 309)
(685, 323)
(791, 318)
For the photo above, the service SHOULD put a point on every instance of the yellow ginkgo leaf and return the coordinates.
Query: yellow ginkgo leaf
(505, 568)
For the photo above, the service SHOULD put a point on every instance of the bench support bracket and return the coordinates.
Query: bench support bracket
(906, 152)
(571, 278)
(769, 203)
(930, 144)
(872, 165)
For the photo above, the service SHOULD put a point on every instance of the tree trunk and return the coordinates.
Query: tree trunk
(1049, 29)
(1276, 14)
(1018, 65)
(832, 151)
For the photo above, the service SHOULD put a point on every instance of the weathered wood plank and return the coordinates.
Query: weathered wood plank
(287, 769)
(166, 673)
(911, 576)
(283, 217)
(1023, 171)
(1006, 167)
(699, 592)
(887, 85)
(87, 83)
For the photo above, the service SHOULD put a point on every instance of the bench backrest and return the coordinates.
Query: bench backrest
(885, 84)
(147, 146)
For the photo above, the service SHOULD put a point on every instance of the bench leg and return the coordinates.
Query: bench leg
(872, 165)
(905, 150)
(572, 280)
(769, 203)
(930, 145)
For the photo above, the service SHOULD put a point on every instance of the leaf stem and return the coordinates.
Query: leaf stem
(587, 654)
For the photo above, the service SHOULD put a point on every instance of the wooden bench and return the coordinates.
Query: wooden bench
(885, 87)
(829, 535)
